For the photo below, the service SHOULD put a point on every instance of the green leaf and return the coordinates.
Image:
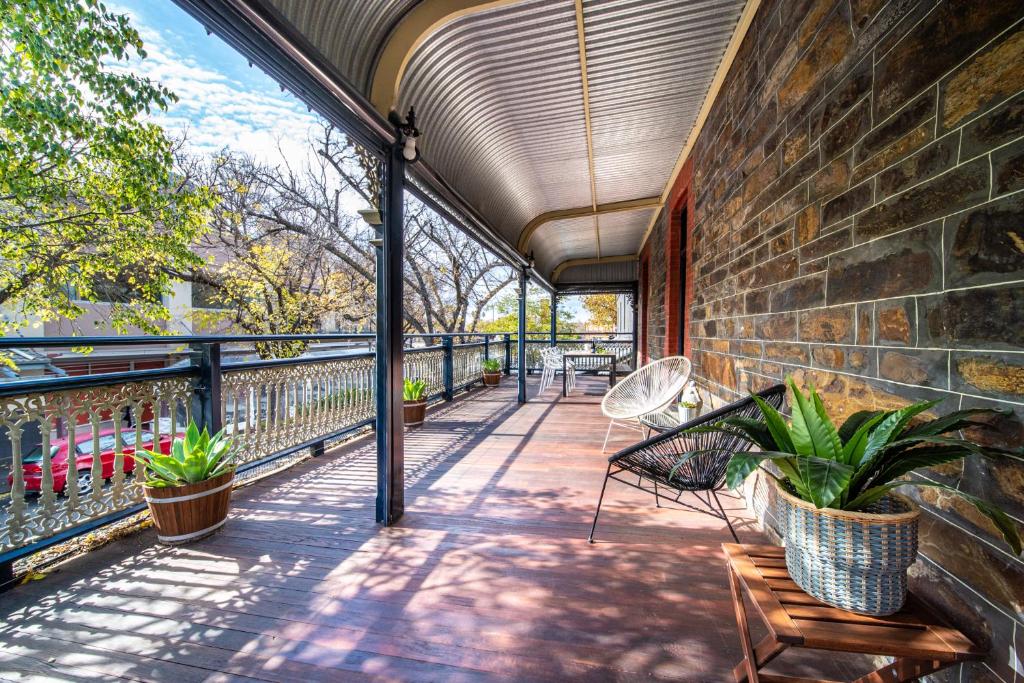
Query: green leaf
(754, 430)
(813, 431)
(854, 422)
(954, 421)
(1007, 527)
(743, 463)
(776, 425)
(823, 479)
(856, 443)
(884, 432)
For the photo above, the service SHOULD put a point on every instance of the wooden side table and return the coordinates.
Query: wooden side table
(918, 639)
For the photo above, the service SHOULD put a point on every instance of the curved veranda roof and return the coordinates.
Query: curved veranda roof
(561, 123)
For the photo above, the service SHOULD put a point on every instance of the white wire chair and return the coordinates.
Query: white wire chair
(551, 363)
(647, 390)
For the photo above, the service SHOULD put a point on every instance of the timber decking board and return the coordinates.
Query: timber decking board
(489, 575)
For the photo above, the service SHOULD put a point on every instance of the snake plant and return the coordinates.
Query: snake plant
(492, 365)
(856, 464)
(414, 389)
(193, 458)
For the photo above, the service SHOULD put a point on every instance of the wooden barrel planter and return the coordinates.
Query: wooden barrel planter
(492, 379)
(414, 412)
(182, 514)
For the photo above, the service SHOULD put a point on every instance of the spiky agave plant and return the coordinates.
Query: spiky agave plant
(193, 458)
(855, 465)
(414, 389)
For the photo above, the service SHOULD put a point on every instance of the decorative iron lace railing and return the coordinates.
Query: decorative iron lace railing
(271, 408)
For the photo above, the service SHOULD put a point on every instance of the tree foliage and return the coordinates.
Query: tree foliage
(538, 316)
(603, 310)
(88, 193)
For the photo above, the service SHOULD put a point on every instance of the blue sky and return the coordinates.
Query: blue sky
(223, 101)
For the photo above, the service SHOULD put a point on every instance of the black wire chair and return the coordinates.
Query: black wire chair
(652, 460)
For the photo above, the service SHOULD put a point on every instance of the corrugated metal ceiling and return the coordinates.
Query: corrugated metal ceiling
(349, 33)
(499, 97)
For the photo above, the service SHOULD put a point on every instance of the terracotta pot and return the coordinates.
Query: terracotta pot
(414, 412)
(492, 379)
(183, 514)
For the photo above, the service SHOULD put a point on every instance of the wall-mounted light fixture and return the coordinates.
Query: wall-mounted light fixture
(408, 132)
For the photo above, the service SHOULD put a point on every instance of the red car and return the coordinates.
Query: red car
(33, 460)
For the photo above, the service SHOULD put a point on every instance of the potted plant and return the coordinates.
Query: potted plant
(492, 372)
(189, 489)
(414, 394)
(849, 537)
(690, 403)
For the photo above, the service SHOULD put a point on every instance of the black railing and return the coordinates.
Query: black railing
(272, 408)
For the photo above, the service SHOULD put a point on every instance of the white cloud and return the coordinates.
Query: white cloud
(217, 111)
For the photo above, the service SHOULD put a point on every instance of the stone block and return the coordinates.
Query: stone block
(768, 273)
(928, 162)
(985, 244)
(987, 318)
(994, 128)
(808, 224)
(847, 204)
(943, 39)
(831, 243)
(1008, 168)
(756, 302)
(834, 324)
(958, 188)
(913, 366)
(865, 324)
(786, 353)
(842, 136)
(854, 86)
(896, 323)
(831, 44)
(832, 179)
(907, 263)
(777, 326)
(882, 137)
(805, 292)
(987, 77)
(1000, 375)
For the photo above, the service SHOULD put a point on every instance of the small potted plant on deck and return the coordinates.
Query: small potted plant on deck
(492, 372)
(189, 489)
(414, 395)
(849, 537)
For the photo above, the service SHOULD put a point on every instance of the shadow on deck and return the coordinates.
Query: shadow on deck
(488, 576)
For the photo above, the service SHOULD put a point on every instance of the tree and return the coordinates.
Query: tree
(603, 310)
(88, 194)
(538, 316)
(448, 277)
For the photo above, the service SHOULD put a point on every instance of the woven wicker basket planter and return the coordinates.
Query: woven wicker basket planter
(414, 412)
(183, 514)
(492, 379)
(856, 561)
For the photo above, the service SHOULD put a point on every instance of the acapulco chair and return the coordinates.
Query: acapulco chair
(647, 390)
(699, 460)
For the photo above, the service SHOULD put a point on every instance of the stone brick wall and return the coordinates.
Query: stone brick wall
(657, 281)
(859, 224)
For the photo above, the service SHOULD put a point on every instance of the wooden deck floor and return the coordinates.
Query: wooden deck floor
(488, 576)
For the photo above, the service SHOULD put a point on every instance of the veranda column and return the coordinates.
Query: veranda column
(522, 335)
(554, 319)
(390, 440)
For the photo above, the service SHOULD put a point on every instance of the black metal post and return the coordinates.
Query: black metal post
(448, 368)
(554, 319)
(390, 425)
(635, 305)
(206, 396)
(508, 354)
(521, 341)
(487, 347)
